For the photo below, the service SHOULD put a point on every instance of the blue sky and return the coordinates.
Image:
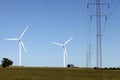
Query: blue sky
(57, 20)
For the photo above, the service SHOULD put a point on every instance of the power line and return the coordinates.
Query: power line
(104, 27)
(112, 11)
(112, 2)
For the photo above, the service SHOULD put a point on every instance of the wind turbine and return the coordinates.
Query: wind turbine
(21, 44)
(64, 49)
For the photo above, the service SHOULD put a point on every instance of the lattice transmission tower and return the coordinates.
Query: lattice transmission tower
(98, 16)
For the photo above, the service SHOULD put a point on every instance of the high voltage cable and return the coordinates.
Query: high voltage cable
(112, 11)
(112, 2)
(109, 14)
(104, 27)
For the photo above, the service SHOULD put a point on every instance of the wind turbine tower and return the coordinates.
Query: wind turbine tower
(88, 57)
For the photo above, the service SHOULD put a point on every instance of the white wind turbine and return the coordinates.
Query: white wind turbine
(20, 44)
(64, 50)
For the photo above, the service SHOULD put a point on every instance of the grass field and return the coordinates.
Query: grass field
(29, 73)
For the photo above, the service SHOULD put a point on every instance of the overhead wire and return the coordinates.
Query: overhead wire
(106, 19)
(112, 2)
(115, 7)
(110, 13)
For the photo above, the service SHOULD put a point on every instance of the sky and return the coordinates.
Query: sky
(58, 20)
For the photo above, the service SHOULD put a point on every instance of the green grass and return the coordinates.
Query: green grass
(29, 73)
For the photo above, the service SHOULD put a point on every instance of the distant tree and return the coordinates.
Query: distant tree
(6, 62)
(106, 68)
(70, 65)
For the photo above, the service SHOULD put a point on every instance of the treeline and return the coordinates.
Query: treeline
(108, 68)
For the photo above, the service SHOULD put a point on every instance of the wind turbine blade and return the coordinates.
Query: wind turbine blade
(11, 39)
(68, 40)
(57, 44)
(23, 46)
(24, 32)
